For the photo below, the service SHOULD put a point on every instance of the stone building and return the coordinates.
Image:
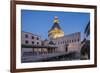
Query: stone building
(29, 39)
(33, 45)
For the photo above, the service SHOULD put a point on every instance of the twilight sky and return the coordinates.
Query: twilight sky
(40, 22)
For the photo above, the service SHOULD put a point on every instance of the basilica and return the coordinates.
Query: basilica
(58, 44)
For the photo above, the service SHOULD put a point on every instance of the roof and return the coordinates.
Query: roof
(51, 43)
(56, 25)
(70, 35)
(30, 33)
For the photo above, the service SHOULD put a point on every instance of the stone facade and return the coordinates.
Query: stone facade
(67, 43)
(29, 39)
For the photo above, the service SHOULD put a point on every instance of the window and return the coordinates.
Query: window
(32, 42)
(26, 42)
(69, 41)
(32, 37)
(78, 40)
(72, 41)
(75, 40)
(37, 43)
(26, 36)
(37, 38)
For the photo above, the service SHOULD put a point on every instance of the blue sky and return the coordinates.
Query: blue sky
(40, 22)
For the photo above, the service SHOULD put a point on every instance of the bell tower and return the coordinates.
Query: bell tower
(55, 31)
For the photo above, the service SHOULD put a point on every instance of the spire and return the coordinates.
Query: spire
(55, 30)
(56, 24)
(56, 19)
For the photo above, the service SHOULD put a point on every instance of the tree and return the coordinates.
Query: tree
(87, 29)
(85, 48)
